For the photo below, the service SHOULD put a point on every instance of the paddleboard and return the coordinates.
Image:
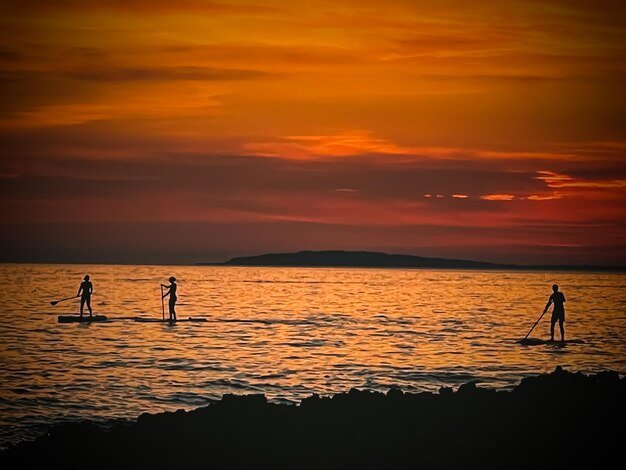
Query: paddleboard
(537, 342)
(159, 320)
(79, 319)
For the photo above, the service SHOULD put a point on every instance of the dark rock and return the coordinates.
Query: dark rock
(562, 417)
(395, 393)
(467, 388)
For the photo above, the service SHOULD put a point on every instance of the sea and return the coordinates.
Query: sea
(283, 332)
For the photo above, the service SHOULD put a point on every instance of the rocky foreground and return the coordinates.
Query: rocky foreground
(555, 420)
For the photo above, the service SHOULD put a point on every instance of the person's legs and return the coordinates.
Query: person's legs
(552, 322)
(88, 300)
(562, 329)
(82, 305)
(172, 306)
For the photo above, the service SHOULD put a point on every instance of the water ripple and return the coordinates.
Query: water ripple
(283, 332)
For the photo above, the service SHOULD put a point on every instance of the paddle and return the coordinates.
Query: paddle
(54, 302)
(544, 312)
(162, 304)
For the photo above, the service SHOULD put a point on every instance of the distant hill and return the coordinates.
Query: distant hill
(370, 259)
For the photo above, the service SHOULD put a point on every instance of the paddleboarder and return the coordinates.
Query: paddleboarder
(84, 291)
(558, 311)
(171, 291)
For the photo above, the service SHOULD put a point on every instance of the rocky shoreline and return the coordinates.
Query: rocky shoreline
(555, 419)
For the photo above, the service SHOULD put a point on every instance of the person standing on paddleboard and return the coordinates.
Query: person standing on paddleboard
(558, 312)
(171, 291)
(85, 290)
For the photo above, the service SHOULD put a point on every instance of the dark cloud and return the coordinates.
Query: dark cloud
(9, 56)
(589, 12)
(455, 40)
(482, 78)
(224, 175)
(120, 74)
(113, 74)
(238, 190)
(136, 6)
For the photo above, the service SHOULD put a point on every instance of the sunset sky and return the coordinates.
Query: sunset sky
(193, 130)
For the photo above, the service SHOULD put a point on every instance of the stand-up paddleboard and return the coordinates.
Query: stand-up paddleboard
(167, 320)
(538, 342)
(79, 319)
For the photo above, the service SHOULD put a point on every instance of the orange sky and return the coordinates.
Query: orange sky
(160, 131)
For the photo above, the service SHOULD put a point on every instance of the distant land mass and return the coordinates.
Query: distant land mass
(371, 259)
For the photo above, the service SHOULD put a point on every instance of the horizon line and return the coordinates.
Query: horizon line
(494, 265)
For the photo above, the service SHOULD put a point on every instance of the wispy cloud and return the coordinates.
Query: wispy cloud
(538, 197)
(556, 180)
(498, 197)
(357, 142)
(113, 74)
(343, 144)
(123, 107)
(138, 6)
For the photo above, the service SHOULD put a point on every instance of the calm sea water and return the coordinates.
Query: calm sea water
(285, 332)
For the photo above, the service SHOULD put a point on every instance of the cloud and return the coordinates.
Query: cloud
(357, 142)
(269, 56)
(439, 40)
(343, 144)
(137, 6)
(537, 197)
(497, 197)
(236, 188)
(346, 193)
(74, 114)
(556, 180)
(115, 74)
(159, 102)
(9, 56)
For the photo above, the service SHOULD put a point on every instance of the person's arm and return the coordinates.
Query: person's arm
(550, 300)
(168, 292)
(79, 289)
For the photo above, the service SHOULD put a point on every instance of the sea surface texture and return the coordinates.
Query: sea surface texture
(284, 332)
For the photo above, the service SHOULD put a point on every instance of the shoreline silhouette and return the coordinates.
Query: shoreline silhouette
(373, 259)
(361, 429)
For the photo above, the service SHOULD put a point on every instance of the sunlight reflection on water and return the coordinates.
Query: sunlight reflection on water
(285, 332)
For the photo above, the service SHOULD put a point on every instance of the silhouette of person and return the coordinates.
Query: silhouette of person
(85, 290)
(171, 291)
(558, 311)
